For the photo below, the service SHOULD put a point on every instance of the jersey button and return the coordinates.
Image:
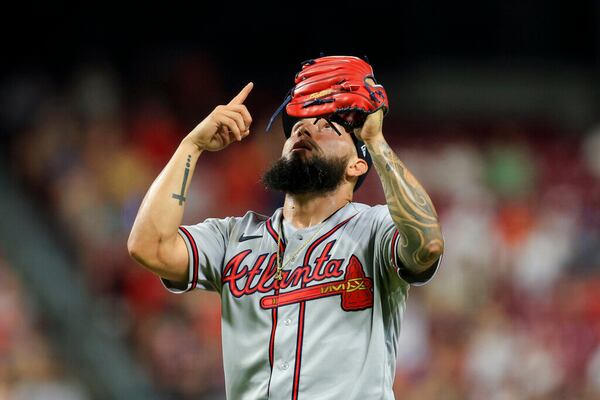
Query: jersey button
(287, 322)
(285, 365)
(299, 237)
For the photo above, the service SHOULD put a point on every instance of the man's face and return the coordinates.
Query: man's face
(313, 160)
(316, 137)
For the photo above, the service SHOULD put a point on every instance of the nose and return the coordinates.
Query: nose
(303, 128)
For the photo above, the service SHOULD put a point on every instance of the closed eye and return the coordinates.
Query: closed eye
(323, 123)
(326, 124)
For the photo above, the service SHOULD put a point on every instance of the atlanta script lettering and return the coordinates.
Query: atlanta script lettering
(244, 279)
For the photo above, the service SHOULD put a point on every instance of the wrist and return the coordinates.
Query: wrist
(373, 140)
(190, 146)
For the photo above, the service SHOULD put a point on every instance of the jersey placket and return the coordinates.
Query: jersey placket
(286, 334)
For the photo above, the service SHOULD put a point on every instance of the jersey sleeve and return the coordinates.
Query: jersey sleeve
(387, 242)
(206, 244)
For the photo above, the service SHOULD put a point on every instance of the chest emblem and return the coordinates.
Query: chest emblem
(315, 278)
(355, 290)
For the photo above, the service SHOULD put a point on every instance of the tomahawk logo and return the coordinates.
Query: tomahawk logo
(355, 291)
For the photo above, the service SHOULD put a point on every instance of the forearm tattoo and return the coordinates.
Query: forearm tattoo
(411, 209)
(181, 196)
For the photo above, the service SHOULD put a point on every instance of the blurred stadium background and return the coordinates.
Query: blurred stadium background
(495, 106)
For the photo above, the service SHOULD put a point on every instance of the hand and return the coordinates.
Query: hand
(224, 125)
(372, 129)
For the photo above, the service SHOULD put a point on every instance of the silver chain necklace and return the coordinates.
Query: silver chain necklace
(280, 266)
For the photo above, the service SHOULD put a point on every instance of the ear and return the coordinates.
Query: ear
(357, 167)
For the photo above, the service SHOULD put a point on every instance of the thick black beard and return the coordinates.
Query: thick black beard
(295, 175)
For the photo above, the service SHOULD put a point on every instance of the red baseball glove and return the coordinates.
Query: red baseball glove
(341, 89)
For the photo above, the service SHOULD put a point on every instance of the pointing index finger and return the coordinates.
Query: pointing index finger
(241, 96)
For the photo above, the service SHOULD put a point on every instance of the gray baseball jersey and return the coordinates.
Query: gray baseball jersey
(328, 328)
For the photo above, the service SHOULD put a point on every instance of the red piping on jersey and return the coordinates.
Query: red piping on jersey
(272, 339)
(299, 350)
(275, 237)
(195, 256)
(298, 365)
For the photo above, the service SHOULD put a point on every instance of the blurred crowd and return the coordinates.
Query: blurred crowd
(513, 312)
(30, 366)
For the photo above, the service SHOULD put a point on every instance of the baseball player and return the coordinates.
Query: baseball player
(312, 296)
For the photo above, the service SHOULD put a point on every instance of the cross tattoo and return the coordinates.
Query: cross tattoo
(181, 196)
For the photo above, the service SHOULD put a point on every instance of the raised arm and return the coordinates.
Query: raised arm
(154, 241)
(409, 204)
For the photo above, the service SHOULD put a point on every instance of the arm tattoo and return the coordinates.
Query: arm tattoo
(411, 209)
(186, 173)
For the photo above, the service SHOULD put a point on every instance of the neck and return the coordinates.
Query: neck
(306, 210)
